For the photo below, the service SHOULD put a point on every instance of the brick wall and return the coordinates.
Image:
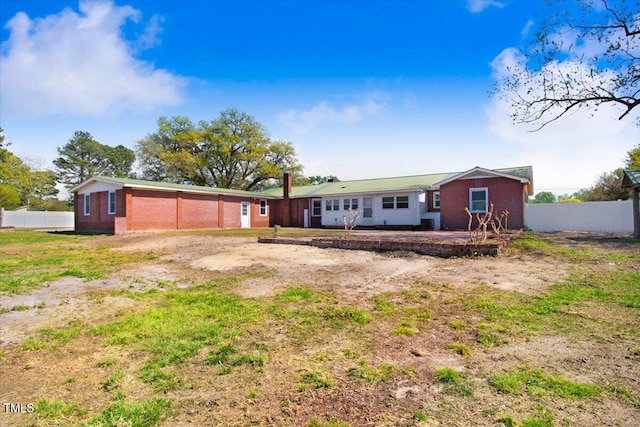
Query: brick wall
(504, 193)
(256, 219)
(99, 219)
(198, 211)
(153, 210)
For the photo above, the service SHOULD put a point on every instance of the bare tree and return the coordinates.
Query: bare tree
(585, 55)
(349, 221)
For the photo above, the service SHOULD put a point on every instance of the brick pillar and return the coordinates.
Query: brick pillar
(128, 207)
(220, 211)
(179, 210)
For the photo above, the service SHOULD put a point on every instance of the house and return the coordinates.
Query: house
(432, 201)
(118, 205)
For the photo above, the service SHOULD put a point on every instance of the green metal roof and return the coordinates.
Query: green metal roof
(631, 178)
(139, 183)
(380, 185)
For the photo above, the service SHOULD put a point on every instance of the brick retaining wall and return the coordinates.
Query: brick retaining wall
(438, 248)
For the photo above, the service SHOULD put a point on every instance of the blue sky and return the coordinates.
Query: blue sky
(362, 89)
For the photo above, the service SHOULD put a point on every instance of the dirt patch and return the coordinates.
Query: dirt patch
(355, 278)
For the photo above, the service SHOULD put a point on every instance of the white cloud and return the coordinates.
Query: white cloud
(477, 6)
(80, 64)
(567, 154)
(324, 112)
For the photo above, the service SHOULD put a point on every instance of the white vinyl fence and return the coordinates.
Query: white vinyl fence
(23, 218)
(606, 217)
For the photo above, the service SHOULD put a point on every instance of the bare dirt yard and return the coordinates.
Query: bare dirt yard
(215, 329)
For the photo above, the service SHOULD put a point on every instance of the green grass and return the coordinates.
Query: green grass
(113, 380)
(315, 379)
(538, 383)
(144, 413)
(178, 325)
(454, 382)
(51, 409)
(372, 374)
(29, 259)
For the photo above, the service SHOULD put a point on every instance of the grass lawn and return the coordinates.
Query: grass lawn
(429, 352)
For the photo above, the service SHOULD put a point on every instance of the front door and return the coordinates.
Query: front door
(245, 215)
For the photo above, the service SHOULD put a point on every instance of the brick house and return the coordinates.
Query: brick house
(432, 201)
(118, 205)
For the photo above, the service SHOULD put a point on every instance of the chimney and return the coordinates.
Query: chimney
(287, 181)
(286, 190)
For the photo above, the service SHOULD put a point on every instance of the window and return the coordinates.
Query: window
(87, 204)
(316, 207)
(346, 204)
(354, 204)
(245, 209)
(436, 200)
(263, 208)
(367, 207)
(478, 199)
(112, 202)
(332, 205)
(402, 202)
(399, 202)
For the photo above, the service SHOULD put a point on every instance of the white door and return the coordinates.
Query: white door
(306, 218)
(367, 211)
(245, 215)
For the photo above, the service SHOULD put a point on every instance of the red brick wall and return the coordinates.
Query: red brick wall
(160, 210)
(296, 213)
(98, 219)
(153, 210)
(199, 211)
(231, 212)
(256, 219)
(429, 201)
(504, 193)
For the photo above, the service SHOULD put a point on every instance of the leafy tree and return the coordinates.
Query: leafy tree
(23, 185)
(545, 197)
(317, 179)
(633, 158)
(83, 157)
(232, 151)
(581, 57)
(608, 186)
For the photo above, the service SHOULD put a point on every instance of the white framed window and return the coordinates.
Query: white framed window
(316, 207)
(402, 202)
(112, 203)
(346, 204)
(478, 199)
(332, 205)
(354, 204)
(399, 202)
(263, 207)
(87, 204)
(436, 200)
